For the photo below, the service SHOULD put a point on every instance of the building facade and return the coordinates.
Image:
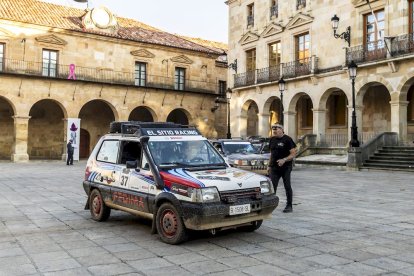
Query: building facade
(294, 39)
(58, 63)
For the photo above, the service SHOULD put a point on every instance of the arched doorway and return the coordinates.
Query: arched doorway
(252, 119)
(376, 113)
(46, 130)
(410, 114)
(85, 141)
(142, 114)
(178, 116)
(304, 117)
(96, 126)
(6, 129)
(336, 121)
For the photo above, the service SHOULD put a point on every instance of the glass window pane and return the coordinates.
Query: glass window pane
(108, 152)
(380, 16)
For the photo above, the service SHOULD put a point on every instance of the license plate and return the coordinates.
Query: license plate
(239, 209)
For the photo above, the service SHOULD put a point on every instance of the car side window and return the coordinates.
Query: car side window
(218, 147)
(108, 151)
(131, 151)
(144, 163)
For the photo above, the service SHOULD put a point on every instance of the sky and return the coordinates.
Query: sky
(194, 18)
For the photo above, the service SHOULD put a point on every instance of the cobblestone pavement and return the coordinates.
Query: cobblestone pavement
(344, 223)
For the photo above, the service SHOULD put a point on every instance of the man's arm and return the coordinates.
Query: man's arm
(292, 154)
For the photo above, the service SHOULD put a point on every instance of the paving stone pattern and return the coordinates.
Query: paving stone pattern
(344, 223)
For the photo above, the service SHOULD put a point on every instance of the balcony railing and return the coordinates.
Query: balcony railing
(297, 68)
(402, 45)
(292, 69)
(250, 20)
(373, 51)
(300, 4)
(268, 74)
(274, 11)
(104, 75)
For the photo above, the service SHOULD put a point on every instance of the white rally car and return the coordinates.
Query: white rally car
(171, 174)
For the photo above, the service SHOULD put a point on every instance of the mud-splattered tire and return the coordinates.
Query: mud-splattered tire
(170, 225)
(253, 227)
(99, 211)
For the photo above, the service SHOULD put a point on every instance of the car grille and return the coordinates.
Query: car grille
(235, 195)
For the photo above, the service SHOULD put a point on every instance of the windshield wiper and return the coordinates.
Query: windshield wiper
(175, 164)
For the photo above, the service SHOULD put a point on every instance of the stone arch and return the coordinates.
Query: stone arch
(335, 103)
(46, 130)
(272, 108)
(249, 115)
(143, 113)
(363, 84)
(96, 126)
(7, 111)
(374, 98)
(301, 105)
(179, 116)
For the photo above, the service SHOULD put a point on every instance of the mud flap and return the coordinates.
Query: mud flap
(154, 225)
(87, 204)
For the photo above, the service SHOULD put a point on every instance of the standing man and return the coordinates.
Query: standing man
(282, 152)
(70, 152)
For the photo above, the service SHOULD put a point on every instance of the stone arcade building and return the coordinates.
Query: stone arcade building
(294, 39)
(58, 62)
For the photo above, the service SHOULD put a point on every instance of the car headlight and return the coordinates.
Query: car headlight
(253, 162)
(266, 187)
(241, 162)
(205, 195)
(265, 162)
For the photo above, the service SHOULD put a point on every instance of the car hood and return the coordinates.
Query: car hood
(224, 179)
(250, 156)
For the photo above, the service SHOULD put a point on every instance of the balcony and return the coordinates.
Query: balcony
(101, 75)
(274, 11)
(391, 48)
(294, 69)
(250, 20)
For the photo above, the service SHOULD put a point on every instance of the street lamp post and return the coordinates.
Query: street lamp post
(345, 35)
(354, 143)
(281, 89)
(228, 96)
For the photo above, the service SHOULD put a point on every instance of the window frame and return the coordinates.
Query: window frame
(305, 51)
(251, 60)
(250, 15)
(100, 148)
(50, 51)
(278, 51)
(2, 55)
(410, 16)
(375, 32)
(179, 75)
(222, 85)
(139, 81)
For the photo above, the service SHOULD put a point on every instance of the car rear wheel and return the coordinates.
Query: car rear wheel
(170, 225)
(99, 210)
(253, 227)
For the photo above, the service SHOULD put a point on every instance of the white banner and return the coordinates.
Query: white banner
(73, 132)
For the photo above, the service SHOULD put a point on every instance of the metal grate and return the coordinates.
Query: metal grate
(235, 195)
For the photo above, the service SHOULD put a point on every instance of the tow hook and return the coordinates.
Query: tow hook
(213, 231)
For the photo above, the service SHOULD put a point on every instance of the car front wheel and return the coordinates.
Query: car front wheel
(170, 225)
(99, 210)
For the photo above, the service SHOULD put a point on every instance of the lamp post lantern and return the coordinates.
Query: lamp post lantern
(282, 84)
(352, 69)
(228, 96)
(345, 35)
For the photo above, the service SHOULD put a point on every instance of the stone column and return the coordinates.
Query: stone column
(319, 123)
(263, 125)
(358, 112)
(399, 118)
(65, 135)
(239, 126)
(290, 124)
(21, 136)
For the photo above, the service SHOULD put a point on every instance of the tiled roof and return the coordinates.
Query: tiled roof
(52, 15)
(218, 46)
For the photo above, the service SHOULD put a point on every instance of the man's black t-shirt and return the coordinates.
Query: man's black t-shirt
(279, 149)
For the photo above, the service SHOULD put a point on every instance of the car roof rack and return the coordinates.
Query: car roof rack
(138, 128)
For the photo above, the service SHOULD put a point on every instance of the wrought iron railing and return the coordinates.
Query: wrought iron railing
(297, 68)
(268, 74)
(274, 11)
(402, 45)
(245, 79)
(373, 51)
(103, 75)
(250, 20)
(300, 4)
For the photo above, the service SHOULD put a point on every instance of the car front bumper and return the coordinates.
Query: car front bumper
(216, 215)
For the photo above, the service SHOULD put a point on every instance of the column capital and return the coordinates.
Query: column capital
(400, 103)
(290, 113)
(318, 110)
(17, 117)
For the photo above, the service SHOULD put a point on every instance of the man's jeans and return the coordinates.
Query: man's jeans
(284, 173)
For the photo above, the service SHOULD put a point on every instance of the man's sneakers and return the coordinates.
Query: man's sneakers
(288, 209)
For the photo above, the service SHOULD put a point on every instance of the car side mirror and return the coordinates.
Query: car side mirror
(131, 164)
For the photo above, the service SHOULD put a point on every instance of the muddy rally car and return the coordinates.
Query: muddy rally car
(172, 175)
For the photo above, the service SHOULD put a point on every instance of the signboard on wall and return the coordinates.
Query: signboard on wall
(73, 132)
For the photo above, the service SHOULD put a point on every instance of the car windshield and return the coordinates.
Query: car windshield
(265, 148)
(238, 147)
(184, 153)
